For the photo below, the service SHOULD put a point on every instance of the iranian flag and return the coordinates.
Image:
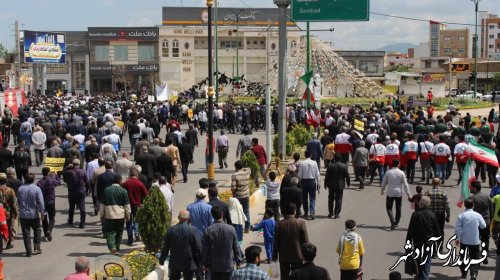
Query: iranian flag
(467, 178)
(312, 118)
(481, 153)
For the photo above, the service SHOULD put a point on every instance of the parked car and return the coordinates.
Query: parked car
(492, 96)
(470, 95)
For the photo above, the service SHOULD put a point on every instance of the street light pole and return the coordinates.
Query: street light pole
(217, 93)
(474, 51)
(282, 5)
(210, 93)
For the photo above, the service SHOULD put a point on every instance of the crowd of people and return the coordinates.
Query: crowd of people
(88, 136)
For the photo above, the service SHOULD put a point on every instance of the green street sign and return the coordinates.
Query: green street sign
(330, 10)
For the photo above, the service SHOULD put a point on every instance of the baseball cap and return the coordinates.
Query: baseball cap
(201, 193)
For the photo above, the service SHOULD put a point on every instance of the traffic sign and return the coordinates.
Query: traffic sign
(330, 10)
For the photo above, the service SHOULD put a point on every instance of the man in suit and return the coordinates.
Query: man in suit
(104, 180)
(184, 245)
(123, 166)
(78, 186)
(290, 233)
(309, 270)
(336, 178)
(6, 158)
(360, 163)
(192, 137)
(314, 149)
(290, 193)
(148, 163)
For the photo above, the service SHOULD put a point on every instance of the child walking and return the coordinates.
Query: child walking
(267, 225)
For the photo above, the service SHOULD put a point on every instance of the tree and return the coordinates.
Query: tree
(496, 80)
(154, 220)
(400, 68)
(4, 53)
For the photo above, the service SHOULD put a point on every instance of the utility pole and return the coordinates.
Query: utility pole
(17, 61)
(282, 84)
(308, 64)
(216, 52)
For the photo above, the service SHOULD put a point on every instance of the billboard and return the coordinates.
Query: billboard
(44, 47)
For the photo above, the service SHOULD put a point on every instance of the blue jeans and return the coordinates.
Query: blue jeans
(132, 226)
(309, 196)
(441, 171)
(245, 203)
(268, 244)
(425, 269)
(381, 171)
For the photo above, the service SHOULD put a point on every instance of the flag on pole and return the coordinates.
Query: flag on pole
(304, 96)
(312, 118)
(467, 178)
(481, 153)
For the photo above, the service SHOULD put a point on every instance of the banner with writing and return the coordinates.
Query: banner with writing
(55, 164)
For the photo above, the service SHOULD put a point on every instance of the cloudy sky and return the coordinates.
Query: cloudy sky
(75, 15)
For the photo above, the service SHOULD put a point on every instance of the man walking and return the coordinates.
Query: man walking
(136, 193)
(31, 205)
(309, 270)
(314, 149)
(240, 189)
(222, 148)
(289, 234)
(123, 166)
(9, 202)
(360, 163)
(220, 247)
(335, 181)
(309, 174)
(78, 186)
(182, 245)
(467, 229)
(351, 250)
(423, 226)
(395, 181)
(251, 271)
(201, 217)
(441, 153)
(115, 210)
(483, 206)
(261, 156)
(440, 206)
(48, 185)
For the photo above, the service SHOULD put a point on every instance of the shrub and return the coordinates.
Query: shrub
(301, 134)
(140, 263)
(290, 144)
(154, 220)
(250, 161)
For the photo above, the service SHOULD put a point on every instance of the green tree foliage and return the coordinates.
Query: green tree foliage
(496, 80)
(301, 135)
(249, 160)
(290, 144)
(154, 220)
(400, 68)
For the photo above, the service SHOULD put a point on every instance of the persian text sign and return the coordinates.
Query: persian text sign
(55, 164)
(330, 10)
(44, 47)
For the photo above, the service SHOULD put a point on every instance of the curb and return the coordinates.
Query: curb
(258, 196)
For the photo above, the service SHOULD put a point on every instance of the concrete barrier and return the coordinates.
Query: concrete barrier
(160, 273)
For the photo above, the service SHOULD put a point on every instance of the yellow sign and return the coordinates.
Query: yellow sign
(359, 125)
(55, 164)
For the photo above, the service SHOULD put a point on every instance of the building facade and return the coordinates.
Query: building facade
(454, 43)
(489, 36)
(246, 41)
(123, 58)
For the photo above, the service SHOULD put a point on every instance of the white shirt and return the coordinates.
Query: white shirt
(166, 190)
(395, 180)
(309, 170)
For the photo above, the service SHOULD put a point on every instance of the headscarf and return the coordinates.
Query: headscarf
(348, 236)
(236, 212)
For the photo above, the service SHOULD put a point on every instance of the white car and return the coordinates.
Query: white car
(470, 95)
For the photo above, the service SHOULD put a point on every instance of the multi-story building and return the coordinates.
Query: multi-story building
(371, 63)
(434, 38)
(247, 44)
(454, 43)
(394, 59)
(489, 43)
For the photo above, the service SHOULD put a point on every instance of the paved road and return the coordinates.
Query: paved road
(367, 207)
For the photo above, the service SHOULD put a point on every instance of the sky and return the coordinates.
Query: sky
(73, 15)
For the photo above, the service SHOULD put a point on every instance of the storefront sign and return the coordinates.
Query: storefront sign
(434, 78)
(132, 34)
(124, 69)
(392, 79)
(44, 47)
(188, 31)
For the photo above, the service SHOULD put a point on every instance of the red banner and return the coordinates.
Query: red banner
(10, 98)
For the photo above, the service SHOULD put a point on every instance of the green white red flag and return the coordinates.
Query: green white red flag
(467, 178)
(481, 153)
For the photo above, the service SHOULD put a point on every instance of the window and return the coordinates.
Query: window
(293, 44)
(121, 53)
(146, 53)
(447, 50)
(461, 38)
(186, 46)
(492, 36)
(101, 53)
(461, 50)
(164, 48)
(79, 73)
(491, 26)
(447, 38)
(175, 48)
(491, 46)
(368, 66)
(498, 36)
(427, 64)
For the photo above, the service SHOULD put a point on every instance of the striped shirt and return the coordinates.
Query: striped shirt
(439, 201)
(239, 183)
(250, 272)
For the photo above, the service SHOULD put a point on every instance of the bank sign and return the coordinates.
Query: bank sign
(44, 47)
